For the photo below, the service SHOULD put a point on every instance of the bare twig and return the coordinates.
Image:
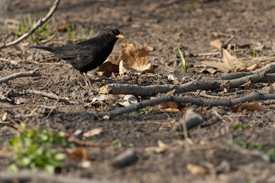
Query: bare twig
(227, 42)
(152, 102)
(187, 87)
(269, 67)
(36, 26)
(50, 95)
(18, 75)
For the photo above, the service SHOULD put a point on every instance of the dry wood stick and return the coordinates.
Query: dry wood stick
(36, 26)
(269, 67)
(31, 175)
(155, 101)
(50, 95)
(187, 87)
(18, 75)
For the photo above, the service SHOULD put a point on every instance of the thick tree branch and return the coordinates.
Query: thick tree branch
(36, 26)
(155, 101)
(187, 87)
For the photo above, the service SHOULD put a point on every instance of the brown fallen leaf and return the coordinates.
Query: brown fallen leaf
(21, 100)
(217, 43)
(134, 59)
(226, 58)
(107, 68)
(225, 87)
(78, 153)
(250, 107)
(224, 66)
(198, 170)
(218, 65)
(150, 48)
(172, 107)
(93, 132)
(161, 147)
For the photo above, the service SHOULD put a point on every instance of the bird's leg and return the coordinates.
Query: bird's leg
(88, 79)
(87, 84)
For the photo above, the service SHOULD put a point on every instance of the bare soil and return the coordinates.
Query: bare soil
(163, 25)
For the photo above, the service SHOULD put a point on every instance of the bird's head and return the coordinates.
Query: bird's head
(111, 34)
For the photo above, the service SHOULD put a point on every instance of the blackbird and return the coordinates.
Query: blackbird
(87, 55)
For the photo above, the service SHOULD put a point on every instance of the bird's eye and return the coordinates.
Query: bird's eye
(111, 33)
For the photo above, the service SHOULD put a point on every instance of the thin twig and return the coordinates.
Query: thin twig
(18, 75)
(36, 26)
(50, 95)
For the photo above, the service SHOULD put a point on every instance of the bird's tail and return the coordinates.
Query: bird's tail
(47, 48)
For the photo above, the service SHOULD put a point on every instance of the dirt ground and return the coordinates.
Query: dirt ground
(164, 25)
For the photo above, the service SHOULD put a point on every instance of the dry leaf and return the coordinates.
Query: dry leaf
(271, 88)
(150, 48)
(225, 87)
(250, 107)
(128, 100)
(78, 153)
(108, 97)
(136, 59)
(171, 106)
(217, 43)
(161, 147)
(226, 58)
(198, 170)
(93, 132)
(107, 68)
(252, 67)
(21, 100)
(85, 164)
(219, 65)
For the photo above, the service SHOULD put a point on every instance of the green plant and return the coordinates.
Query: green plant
(254, 53)
(32, 150)
(71, 33)
(241, 126)
(182, 61)
(85, 33)
(117, 143)
(116, 124)
(41, 35)
(249, 146)
(271, 153)
(192, 5)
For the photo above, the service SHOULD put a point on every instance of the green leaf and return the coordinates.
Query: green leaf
(49, 168)
(59, 156)
(25, 161)
(13, 168)
(182, 61)
(271, 154)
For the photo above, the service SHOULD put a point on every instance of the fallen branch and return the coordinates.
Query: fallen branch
(36, 26)
(26, 175)
(155, 101)
(269, 67)
(18, 75)
(187, 87)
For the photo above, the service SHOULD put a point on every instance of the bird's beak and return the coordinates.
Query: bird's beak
(119, 36)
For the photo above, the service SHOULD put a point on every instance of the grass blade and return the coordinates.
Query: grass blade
(182, 61)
